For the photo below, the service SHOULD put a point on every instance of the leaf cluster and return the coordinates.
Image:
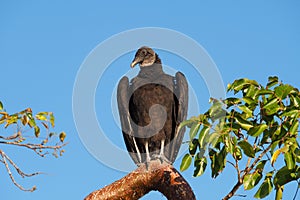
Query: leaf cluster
(23, 121)
(41, 140)
(253, 128)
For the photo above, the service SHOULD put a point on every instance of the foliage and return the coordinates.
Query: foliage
(41, 142)
(256, 131)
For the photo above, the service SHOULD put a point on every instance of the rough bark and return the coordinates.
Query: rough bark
(156, 176)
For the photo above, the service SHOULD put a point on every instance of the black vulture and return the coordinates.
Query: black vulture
(151, 107)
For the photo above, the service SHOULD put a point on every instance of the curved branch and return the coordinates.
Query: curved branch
(246, 171)
(33, 146)
(12, 137)
(156, 176)
(20, 172)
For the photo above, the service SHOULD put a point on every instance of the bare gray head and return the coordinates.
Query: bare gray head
(145, 56)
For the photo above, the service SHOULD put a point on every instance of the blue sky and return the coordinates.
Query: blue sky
(44, 43)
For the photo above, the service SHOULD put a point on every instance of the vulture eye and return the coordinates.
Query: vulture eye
(144, 52)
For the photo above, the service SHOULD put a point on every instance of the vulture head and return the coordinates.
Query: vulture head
(145, 57)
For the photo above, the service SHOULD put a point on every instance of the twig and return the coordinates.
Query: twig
(248, 163)
(34, 146)
(14, 136)
(234, 189)
(231, 163)
(269, 159)
(245, 172)
(237, 166)
(17, 168)
(41, 154)
(5, 158)
(37, 148)
(296, 190)
(240, 195)
(256, 160)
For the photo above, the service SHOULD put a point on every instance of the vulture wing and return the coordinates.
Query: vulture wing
(126, 123)
(180, 113)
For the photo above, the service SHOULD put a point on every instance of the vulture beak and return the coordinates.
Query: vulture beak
(135, 62)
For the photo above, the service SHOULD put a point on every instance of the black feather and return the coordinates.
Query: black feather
(152, 93)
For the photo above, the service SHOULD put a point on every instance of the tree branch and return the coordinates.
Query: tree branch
(4, 161)
(39, 144)
(35, 147)
(12, 137)
(295, 196)
(245, 172)
(162, 177)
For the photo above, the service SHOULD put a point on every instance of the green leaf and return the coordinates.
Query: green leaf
(193, 147)
(31, 122)
(279, 192)
(275, 156)
(291, 113)
(247, 148)
(246, 125)
(246, 110)
(297, 155)
(265, 189)
(238, 153)
(228, 144)
(11, 119)
(271, 106)
(273, 146)
(221, 158)
(257, 130)
(213, 138)
(201, 163)
(41, 116)
(284, 176)
(194, 130)
(251, 91)
(295, 100)
(1, 106)
(186, 162)
(218, 161)
(277, 131)
(232, 101)
(265, 91)
(52, 119)
(289, 160)
(260, 165)
(185, 123)
(272, 80)
(294, 128)
(251, 180)
(282, 91)
(249, 100)
(203, 136)
(240, 84)
(37, 131)
(216, 111)
(214, 165)
(29, 115)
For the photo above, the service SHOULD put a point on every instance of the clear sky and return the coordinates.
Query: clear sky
(44, 43)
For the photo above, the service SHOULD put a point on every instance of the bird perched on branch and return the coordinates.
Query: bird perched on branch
(151, 107)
